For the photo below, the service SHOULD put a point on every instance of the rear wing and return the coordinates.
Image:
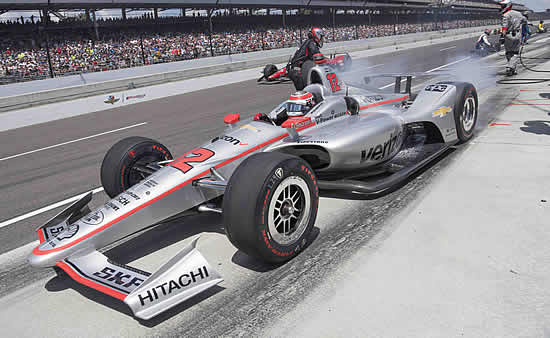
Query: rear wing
(182, 277)
(400, 77)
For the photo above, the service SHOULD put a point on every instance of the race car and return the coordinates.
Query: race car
(263, 175)
(483, 50)
(341, 62)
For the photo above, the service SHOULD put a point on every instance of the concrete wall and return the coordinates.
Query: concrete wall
(193, 68)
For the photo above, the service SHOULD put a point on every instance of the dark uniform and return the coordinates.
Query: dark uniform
(305, 52)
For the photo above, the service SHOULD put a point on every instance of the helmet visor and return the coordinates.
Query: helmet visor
(296, 108)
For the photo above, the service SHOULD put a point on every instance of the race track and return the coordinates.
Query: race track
(44, 164)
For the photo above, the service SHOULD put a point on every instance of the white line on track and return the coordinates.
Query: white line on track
(393, 83)
(73, 141)
(448, 64)
(441, 50)
(47, 208)
(542, 40)
(429, 71)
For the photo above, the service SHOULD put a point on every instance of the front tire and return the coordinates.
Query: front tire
(270, 206)
(119, 170)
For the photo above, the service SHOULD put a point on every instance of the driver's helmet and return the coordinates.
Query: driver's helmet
(505, 5)
(318, 35)
(299, 103)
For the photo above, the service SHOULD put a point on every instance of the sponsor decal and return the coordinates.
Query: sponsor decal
(333, 115)
(249, 127)
(111, 205)
(120, 278)
(111, 99)
(370, 99)
(93, 218)
(279, 173)
(230, 139)
(312, 141)
(122, 200)
(140, 96)
(68, 233)
(165, 289)
(381, 151)
(436, 88)
(133, 195)
(450, 131)
(150, 183)
(441, 112)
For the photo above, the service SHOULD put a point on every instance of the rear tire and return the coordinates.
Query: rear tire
(465, 110)
(270, 206)
(268, 71)
(118, 170)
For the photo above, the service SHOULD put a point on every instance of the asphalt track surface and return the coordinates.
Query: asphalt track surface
(252, 293)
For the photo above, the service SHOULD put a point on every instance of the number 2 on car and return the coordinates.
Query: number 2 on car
(194, 156)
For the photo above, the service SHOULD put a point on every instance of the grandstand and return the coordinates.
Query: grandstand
(56, 44)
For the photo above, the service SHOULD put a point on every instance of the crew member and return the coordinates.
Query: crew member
(510, 34)
(483, 41)
(541, 27)
(525, 31)
(309, 50)
(310, 47)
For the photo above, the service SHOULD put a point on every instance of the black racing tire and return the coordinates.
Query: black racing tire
(306, 67)
(465, 110)
(256, 213)
(347, 62)
(269, 70)
(118, 168)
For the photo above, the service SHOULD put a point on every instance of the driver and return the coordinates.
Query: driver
(483, 42)
(298, 104)
(310, 48)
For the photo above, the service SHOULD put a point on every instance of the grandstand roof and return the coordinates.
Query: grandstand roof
(341, 4)
(79, 4)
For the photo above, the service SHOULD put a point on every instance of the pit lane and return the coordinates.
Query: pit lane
(251, 290)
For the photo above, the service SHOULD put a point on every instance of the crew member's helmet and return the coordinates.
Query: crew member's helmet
(526, 14)
(299, 103)
(505, 5)
(487, 31)
(318, 35)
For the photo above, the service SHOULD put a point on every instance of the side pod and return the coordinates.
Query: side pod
(184, 276)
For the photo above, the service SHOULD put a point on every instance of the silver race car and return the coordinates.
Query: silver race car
(264, 175)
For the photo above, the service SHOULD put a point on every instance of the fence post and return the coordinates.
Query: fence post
(142, 49)
(46, 20)
(210, 12)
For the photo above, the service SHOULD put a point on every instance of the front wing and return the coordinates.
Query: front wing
(184, 276)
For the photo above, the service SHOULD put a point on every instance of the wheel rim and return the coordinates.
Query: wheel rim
(289, 210)
(469, 114)
(135, 175)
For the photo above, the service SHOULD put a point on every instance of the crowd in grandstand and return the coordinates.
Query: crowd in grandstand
(77, 52)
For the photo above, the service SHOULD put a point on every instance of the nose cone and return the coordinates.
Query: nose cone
(41, 261)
